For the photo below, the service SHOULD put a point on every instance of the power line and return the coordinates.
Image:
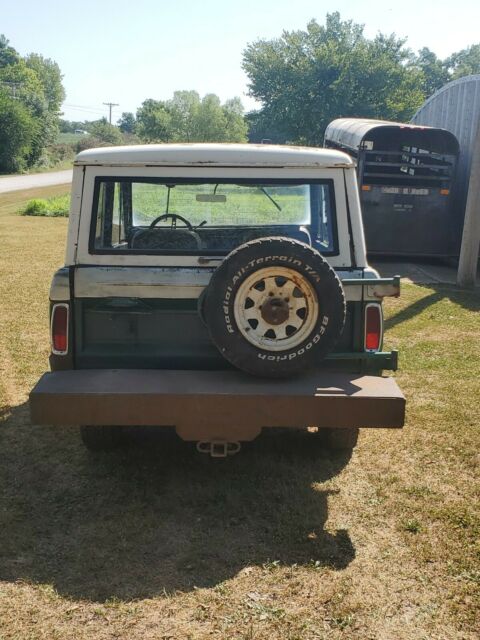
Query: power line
(85, 109)
(110, 105)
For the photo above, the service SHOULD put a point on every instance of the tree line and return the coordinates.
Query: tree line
(184, 118)
(302, 80)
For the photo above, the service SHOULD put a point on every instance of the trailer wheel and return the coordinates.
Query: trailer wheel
(340, 439)
(274, 307)
(101, 438)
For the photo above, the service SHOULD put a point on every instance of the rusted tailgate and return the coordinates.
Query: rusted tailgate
(205, 404)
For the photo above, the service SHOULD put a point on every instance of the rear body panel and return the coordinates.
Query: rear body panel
(148, 317)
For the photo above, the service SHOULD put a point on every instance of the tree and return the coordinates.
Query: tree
(435, 73)
(187, 118)
(25, 86)
(464, 62)
(305, 79)
(105, 133)
(211, 124)
(18, 131)
(154, 121)
(184, 109)
(260, 129)
(34, 83)
(127, 122)
(8, 55)
(49, 74)
(236, 124)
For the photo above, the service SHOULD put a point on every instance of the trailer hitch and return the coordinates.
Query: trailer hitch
(218, 448)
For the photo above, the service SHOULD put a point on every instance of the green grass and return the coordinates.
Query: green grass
(69, 138)
(54, 207)
(242, 205)
(282, 541)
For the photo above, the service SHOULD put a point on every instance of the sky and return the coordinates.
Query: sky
(127, 51)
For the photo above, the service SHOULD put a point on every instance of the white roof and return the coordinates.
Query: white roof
(244, 155)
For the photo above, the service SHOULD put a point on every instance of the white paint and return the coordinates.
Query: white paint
(238, 155)
(304, 173)
(303, 327)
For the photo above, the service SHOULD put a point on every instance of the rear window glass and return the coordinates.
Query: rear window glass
(208, 217)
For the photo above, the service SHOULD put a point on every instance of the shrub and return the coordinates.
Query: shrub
(89, 142)
(55, 155)
(52, 207)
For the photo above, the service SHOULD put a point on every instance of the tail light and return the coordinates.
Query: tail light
(59, 329)
(373, 327)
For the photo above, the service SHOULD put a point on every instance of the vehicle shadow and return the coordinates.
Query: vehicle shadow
(465, 298)
(158, 516)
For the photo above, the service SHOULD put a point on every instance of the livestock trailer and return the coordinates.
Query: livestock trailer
(406, 176)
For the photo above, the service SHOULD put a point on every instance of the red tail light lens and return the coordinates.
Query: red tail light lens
(373, 327)
(60, 329)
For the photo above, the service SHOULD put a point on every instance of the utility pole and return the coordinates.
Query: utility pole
(110, 105)
(467, 266)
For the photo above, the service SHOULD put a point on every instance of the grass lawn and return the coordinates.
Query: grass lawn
(280, 542)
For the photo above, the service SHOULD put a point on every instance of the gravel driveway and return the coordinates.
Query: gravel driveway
(18, 183)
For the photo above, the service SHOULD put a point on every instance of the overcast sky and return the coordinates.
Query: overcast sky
(126, 51)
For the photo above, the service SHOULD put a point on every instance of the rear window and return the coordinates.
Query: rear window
(208, 217)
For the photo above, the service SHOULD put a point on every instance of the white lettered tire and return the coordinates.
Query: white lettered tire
(274, 307)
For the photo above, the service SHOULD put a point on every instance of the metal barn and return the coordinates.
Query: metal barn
(456, 107)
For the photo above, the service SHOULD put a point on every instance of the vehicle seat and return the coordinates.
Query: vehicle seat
(166, 239)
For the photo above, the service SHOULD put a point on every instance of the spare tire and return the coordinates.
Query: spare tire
(274, 307)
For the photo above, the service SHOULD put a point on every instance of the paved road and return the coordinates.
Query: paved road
(35, 180)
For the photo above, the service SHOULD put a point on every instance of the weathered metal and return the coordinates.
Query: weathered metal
(187, 283)
(216, 405)
(456, 107)
(213, 155)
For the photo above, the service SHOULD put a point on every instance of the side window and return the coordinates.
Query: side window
(100, 225)
(321, 201)
(110, 227)
(118, 227)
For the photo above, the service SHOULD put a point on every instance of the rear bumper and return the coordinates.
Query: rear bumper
(204, 405)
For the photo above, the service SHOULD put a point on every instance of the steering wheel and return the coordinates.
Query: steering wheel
(174, 217)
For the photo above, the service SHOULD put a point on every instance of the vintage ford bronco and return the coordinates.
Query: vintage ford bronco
(218, 289)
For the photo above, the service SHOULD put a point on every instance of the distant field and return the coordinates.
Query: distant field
(69, 138)
(281, 542)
